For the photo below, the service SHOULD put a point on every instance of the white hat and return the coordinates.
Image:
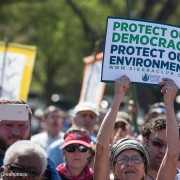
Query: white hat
(86, 106)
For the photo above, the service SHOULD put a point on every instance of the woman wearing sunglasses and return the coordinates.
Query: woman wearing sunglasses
(129, 158)
(77, 152)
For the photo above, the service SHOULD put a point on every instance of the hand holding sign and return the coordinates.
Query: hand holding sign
(169, 90)
(145, 51)
(121, 86)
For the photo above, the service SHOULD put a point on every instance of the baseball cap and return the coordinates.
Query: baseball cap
(86, 106)
(123, 117)
(77, 138)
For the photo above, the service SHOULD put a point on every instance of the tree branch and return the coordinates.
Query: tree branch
(148, 9)
(168, 9)
(3, 2)
(90, 33)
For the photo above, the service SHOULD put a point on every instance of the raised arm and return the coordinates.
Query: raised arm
(101, 165)
(167, 169)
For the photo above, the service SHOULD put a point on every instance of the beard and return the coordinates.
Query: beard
(3, 145)
(154, 165)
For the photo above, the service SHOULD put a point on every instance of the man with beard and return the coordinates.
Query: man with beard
(12, 130)
(15, 124)
(154, 136)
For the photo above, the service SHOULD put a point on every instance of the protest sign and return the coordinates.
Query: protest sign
(16, 66)
(92, 89)
(144, 51)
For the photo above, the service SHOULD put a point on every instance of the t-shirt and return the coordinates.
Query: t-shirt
(55, 153)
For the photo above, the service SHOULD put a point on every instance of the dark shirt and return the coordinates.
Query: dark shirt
(53, 172)
(1, 159)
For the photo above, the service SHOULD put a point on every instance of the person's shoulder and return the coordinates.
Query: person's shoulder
(57, 143)
(39, 135)
(50, 171)
(61, 133)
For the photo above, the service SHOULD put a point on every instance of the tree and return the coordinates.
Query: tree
(65, 31)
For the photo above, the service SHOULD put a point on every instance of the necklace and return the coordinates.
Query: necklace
(150, 176)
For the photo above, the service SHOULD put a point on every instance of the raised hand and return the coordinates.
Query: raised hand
(121, 85)
(169, 89)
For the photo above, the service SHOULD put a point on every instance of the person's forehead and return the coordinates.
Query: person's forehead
(55, 112)
(159, 135)
(88, 112)
(130, 152)
(76, 144)
(14, 122)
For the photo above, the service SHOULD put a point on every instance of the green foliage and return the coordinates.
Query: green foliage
(64, 32)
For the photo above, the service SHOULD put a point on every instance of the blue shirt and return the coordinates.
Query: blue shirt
(55, 153)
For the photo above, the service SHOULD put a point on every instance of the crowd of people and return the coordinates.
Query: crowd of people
(114, 153)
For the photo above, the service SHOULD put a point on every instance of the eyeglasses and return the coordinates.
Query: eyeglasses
(117, 126)
(134, 159)
(15, 168)
(80, 148)
(157, 144)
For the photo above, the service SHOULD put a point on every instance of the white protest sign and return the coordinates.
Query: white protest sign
(13, 73)
(16, 66)
(144, 51)
(92, 89)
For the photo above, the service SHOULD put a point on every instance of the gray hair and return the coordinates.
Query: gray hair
(26, 147)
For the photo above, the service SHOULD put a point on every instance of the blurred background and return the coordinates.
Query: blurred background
(66, 31)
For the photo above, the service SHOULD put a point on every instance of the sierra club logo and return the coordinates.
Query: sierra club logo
(145, 77)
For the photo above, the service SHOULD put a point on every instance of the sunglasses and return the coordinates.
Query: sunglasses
(72, 148)
(117, 126)
(134, 159)
(15, 168)
(157, 144)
